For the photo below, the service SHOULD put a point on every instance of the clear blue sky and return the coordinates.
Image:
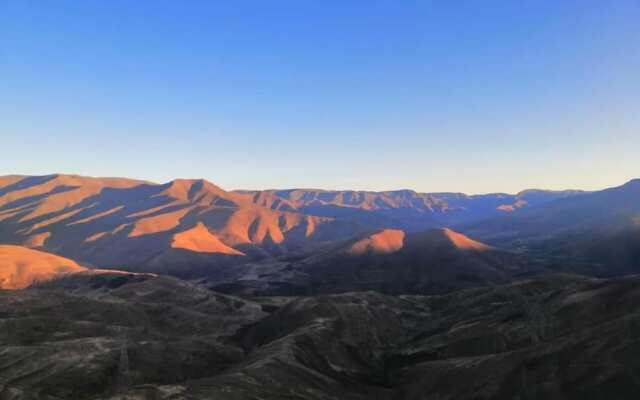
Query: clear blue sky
(473, 96)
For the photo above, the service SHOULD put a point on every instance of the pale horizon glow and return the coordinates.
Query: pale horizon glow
(385, 95)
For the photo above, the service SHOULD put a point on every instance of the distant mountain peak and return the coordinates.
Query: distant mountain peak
(199, 191)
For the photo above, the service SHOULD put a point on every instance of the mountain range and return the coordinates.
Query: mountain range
(115, 288)
(183, 227)
(79, 216)
(193, 228)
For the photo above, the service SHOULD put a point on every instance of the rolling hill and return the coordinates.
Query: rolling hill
(21, 267)
(389, 261)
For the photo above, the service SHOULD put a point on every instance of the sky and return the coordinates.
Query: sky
(466, 96)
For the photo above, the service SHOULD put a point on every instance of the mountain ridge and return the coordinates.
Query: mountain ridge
(130, 223)
(192, 227)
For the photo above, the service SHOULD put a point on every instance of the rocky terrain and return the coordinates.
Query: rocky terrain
(142, 337)
(122, 289)
(87, 336)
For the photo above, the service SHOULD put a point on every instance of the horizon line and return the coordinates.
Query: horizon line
(148, 181)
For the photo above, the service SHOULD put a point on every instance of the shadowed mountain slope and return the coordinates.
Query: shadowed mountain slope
(542, 338)
(88, 336)
(434, 261)
(389, 261)
(596, 233)
(605, 210)
(106, 336)
(402, 209)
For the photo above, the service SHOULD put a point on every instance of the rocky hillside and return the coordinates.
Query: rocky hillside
(111, 336)
(89, 336)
